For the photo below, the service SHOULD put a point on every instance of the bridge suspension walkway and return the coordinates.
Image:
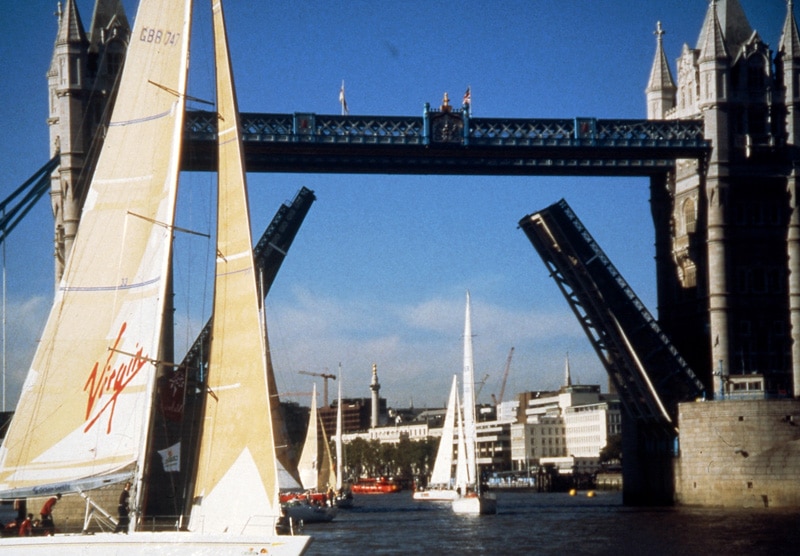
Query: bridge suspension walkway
(17, 205)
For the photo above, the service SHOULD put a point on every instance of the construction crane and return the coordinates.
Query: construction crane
(326, 376)
(499, 399)
(480, 384)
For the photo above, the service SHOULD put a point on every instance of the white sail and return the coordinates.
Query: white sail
(85, 407)
(236, 489)
(471, 499)
(309, 463)
(470, 435)
(327, 470)
(443, 465)
(462, 474)
(339, 449)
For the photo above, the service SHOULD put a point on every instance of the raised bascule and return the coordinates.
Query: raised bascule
(720, 149)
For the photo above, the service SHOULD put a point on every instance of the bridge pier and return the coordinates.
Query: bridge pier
(647, 463)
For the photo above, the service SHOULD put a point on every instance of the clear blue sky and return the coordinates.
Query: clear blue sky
(379, 270)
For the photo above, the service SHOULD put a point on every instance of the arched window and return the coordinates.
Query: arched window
(689, 216)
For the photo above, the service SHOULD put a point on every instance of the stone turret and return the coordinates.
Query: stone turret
(787, 64)
(726, 296)
(68, 91)
(81, 80)
(660, 87)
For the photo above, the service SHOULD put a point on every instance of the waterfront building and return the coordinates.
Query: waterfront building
(567, 428)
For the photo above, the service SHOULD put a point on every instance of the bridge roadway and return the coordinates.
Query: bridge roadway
(449, 142)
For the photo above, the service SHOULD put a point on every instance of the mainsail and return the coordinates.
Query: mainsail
(84, 411)
(309, 464)
(462, 475)
(236, 490)
(470, 434)
(339, 430)
(443, 465)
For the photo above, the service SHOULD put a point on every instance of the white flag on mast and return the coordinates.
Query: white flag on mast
(343, 101)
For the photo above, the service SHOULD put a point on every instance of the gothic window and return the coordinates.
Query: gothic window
(91, 66)
(75, 72)
(755, 76)
(689, 274)
(757, 120)
(689, 216)
(796, 83)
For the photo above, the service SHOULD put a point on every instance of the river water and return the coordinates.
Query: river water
(553, 523)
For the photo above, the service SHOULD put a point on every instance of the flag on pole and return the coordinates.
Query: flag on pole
(467, 97)
(343, 101)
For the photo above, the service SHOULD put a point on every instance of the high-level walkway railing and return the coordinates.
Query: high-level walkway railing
(449, 142)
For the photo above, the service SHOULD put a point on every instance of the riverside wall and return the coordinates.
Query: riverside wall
(739, 453)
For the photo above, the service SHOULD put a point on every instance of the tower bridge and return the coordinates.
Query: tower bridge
(726, 222)
(449, 142)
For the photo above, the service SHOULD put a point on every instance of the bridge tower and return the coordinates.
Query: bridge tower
(81, 81)
(726, 225)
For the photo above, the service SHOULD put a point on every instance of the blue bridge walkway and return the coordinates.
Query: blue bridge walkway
(449, 142)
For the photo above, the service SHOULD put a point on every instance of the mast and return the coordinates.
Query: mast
(469, 397)
(339, 448)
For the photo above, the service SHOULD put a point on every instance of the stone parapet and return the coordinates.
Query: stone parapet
(739, 454)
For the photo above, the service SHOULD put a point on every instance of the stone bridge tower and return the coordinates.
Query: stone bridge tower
(728, 228)
(82, 83)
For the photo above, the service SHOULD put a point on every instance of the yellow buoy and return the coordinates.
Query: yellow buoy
(572, 492)
(590, 494)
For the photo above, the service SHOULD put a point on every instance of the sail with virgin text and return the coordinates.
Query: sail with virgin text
(84, 412)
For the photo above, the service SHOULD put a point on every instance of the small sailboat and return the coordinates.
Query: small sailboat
(343, 497)
(316, 474)
(471, 499)
(441, 487)
(84, 417)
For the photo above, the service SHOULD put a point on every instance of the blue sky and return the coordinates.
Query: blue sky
(379, 270)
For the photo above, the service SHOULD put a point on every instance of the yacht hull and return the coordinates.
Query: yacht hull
(435, 495)
(485, 504)
(161, 543)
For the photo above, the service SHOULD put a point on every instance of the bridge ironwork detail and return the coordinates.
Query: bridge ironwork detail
(449, 142)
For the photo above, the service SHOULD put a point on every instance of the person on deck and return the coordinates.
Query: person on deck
(47, 514)
(122, 509)
(26, 527)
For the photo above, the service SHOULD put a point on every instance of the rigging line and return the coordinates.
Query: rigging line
(149, 359)
(172, 227)
(178, 94)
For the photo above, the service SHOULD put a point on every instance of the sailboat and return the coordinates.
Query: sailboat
(471, 499)
(316, 474)
(343, 498)
(84, 416)
(440, 487)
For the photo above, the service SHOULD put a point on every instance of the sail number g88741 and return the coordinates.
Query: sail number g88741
(159, 36)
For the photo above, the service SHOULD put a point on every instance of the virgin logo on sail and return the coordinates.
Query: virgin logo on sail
(105, 384)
